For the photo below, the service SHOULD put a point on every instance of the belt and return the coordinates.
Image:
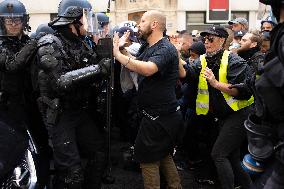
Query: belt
(154, 117)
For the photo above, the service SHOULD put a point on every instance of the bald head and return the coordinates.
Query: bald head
(157, 16)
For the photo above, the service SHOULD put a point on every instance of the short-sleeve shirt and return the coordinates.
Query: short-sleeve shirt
(158, 90)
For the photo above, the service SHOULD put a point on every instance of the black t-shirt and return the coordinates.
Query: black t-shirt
(157, 92)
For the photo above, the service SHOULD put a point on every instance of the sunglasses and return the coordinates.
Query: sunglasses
(10, 21)
(209, 38)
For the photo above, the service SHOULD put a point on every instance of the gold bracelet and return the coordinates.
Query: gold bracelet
(127, 62)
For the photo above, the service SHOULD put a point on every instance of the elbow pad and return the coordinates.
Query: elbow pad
(78, 76)
(84, 75)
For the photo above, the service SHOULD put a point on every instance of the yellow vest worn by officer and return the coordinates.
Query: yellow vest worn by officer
(202, 100)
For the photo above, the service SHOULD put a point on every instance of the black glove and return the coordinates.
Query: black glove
(23, 57)
(105, 65)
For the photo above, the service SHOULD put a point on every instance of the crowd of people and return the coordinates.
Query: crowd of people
(212, 98)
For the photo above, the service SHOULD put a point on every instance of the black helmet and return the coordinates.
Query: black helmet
(13, 9)
(103, 19)
(69, 11)
(275, 5)
(71, 14)
(64, 4)
(44, 28)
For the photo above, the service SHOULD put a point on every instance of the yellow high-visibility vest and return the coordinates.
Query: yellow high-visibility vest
(202, 100)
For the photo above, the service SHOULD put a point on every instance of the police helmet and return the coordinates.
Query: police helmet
(270, 20)
(69, 11)
(64, 4)
(103, 19)
(13, 11)
(44, 28)
(33, 35)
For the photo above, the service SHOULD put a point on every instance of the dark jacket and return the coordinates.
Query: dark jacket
(237, 73)
(58, 54)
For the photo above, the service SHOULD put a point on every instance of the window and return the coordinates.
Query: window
(236, 14)
(196, 20)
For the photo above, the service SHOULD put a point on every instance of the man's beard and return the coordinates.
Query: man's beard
(144, 35)
(243, 49)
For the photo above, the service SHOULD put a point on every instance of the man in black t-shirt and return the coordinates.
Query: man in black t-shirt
(157, 64)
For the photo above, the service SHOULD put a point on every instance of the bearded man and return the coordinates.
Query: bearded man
(157, 64)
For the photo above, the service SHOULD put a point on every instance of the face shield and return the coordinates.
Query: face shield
(90, 22)
(12, 24)
(104, 30)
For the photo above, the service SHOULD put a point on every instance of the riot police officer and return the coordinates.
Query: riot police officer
(16, 51)
(44, 29)
(266, 127)
(67, 68)
(103, 21)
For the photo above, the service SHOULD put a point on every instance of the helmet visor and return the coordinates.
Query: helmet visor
(90, 22)
(11, 24)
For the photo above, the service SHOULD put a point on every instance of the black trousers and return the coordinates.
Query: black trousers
(39, 136)
(226, 150)
(76, 136)
(13, 139)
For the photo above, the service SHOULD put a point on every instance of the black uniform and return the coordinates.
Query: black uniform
(66, 111)
(18, 100)
(270, 92)
(12, 105)
(161, 124)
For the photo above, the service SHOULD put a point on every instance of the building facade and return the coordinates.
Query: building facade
(181, 14)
